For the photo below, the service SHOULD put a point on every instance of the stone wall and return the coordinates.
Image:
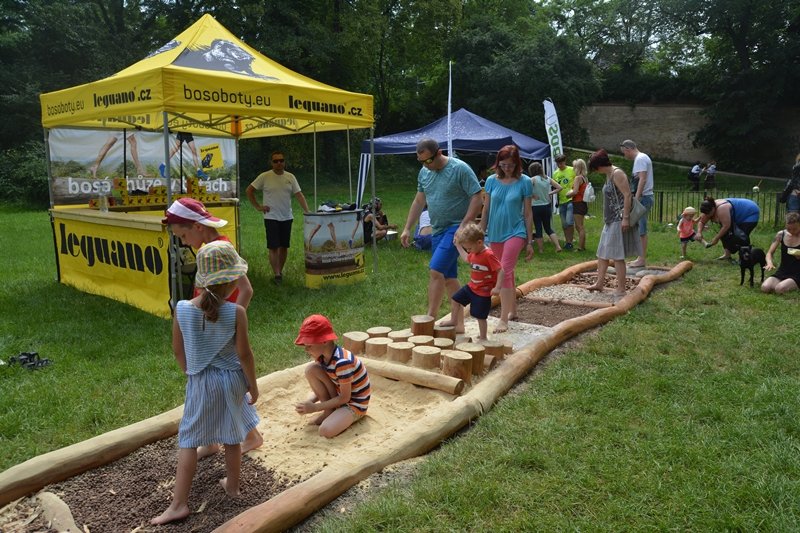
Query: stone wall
(661, 131)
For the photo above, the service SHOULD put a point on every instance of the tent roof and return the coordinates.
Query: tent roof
(471, 133)
(210, 83)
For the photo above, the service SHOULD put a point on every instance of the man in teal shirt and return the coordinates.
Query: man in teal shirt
(451, 190)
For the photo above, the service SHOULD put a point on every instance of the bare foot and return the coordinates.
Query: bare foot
(318, 420)
(617, 296)
(483, 339)
(252, 441)
(205, 451)
(458, 328)
(636, 264)
(231, 493)
(171, 515)
(93, 172)
(598, 288)
(501, 327)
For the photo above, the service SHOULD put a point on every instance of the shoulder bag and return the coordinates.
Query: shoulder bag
(588, 193)
(637, 211)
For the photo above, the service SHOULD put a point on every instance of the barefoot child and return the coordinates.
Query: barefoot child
(189, 220)
(485, 279)
(339, 382)
(686, 228)
(211, 345)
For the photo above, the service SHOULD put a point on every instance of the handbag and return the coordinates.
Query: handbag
(588, 193)
(637, 211)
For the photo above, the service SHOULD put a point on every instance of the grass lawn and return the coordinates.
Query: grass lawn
(680, 415)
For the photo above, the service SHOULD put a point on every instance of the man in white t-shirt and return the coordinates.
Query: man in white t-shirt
(278, 187)
(642, 188)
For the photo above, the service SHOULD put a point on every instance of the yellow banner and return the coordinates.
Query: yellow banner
(126, 264)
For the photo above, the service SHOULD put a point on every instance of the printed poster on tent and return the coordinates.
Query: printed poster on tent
(84, 163)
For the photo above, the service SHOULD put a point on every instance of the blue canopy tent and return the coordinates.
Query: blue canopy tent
(470, 133)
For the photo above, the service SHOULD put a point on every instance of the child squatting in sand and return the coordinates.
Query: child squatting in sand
(339, 381)
(211, 345)
(486, 277)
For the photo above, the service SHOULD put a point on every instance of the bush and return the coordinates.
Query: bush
(23, 175)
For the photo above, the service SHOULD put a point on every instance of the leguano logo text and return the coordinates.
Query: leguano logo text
(126, 255)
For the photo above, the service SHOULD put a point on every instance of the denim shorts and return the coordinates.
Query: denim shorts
(647, 201)
(445, 253)
(565, 211)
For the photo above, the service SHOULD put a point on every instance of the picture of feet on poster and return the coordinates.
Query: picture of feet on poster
(84, 163)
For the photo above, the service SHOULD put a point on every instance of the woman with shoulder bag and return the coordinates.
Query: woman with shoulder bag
(618, 239)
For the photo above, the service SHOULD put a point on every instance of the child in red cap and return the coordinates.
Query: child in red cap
(339, 381)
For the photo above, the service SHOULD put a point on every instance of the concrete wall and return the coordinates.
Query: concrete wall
(661, 131)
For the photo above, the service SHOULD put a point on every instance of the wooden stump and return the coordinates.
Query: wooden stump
(422, 325)
(354, 341)
(447, 332)
(378, 331)
(421, 340)
(399, 352)
(417, 376)
(489, 363)
(401, 335)
(457, 364)
(376, 347)
(426, 357)
(443, 343)
(508, 347)
(494, 348)
(478, 353)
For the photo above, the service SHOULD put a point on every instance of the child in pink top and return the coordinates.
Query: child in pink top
(686, 228)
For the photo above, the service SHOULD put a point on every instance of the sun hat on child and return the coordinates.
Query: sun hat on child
(689, 211)
(218, 263)
(315, 329)
(189, 211)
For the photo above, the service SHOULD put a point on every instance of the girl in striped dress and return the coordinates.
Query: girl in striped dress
(339, 382)
(211, 345)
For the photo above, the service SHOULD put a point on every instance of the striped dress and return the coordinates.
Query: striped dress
(344, 367)
(215, 410)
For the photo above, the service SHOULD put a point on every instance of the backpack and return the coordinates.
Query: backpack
(588, 193)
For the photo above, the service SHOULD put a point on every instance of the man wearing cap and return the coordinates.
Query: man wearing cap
(189, 220)
(453, 194)
(278, 187)
(642, 188)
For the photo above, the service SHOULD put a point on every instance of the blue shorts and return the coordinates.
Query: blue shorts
(647, 201)
(445, 253)
(479, 306)
(565, 211)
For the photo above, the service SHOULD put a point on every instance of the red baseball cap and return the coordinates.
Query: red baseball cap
(189, 211)
(315, 329)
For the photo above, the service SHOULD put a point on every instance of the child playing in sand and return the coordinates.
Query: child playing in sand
(188, 220)
(686, 228)
(339, 381)
(211, 345)
(485, 280)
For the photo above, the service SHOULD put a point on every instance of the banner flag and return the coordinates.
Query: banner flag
(552, 128)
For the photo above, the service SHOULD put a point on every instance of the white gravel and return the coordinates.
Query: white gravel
(573, 292)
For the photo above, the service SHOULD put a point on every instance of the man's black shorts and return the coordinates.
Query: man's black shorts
(278, 233)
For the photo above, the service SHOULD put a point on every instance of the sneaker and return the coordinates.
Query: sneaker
(568, 246)
(278, 279)
(201, 174)
(162, 169)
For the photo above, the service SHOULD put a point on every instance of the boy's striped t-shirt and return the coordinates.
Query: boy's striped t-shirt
(344, 367)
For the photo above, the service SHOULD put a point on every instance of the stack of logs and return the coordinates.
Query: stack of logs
(425, 354)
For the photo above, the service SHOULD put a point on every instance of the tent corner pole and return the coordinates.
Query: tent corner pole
(172, 249)
(372, 179)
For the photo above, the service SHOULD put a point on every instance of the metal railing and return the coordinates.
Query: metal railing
(669, 204)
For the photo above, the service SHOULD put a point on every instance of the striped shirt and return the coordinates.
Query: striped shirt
(344, 367)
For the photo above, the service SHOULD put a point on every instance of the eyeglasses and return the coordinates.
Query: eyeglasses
(507, 165)
(427, 161)
(278, 160)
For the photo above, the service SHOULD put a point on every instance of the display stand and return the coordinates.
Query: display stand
(334, 248)
(124, 255)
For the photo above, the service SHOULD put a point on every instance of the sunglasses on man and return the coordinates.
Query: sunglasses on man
(278, 160)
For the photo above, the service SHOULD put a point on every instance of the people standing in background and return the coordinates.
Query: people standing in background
(451, 190)
(508, 216)
(694, 176)
(710, 171)
(544, 189)
(642, 189)
(278, 187)
(579, 207)
(564, 176)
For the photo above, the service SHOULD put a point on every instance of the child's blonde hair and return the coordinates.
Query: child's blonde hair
(580, 167)
(470, 233)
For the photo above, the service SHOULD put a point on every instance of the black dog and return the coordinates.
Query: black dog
(749, 257)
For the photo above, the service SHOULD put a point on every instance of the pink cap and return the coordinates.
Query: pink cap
(189, 211)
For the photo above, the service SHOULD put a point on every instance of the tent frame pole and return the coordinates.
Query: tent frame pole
(172, 249)
(372, 179)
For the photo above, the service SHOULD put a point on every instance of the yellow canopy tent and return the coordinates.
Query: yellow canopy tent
(207, 82)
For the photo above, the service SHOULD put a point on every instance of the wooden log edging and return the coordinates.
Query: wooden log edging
(296, 503)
